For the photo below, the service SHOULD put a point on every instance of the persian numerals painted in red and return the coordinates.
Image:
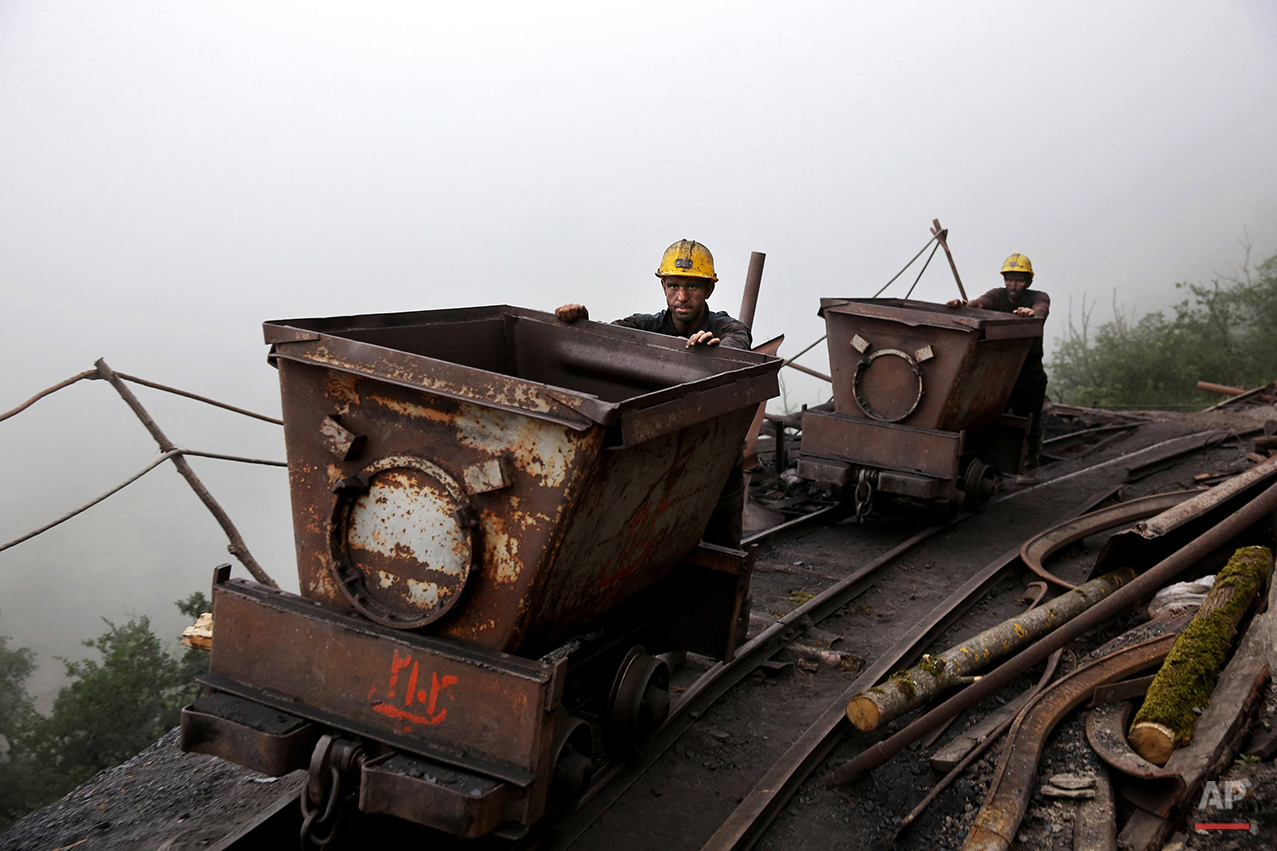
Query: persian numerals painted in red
(414, 705)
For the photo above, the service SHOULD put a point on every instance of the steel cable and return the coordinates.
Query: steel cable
(157, 462)
(907, 265)
(923, 269)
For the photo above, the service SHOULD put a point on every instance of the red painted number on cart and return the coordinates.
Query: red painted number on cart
(412, 705)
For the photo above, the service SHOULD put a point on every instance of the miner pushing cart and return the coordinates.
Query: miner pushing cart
(920, 392)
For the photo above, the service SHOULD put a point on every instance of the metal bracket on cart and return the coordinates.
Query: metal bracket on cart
(332, 763)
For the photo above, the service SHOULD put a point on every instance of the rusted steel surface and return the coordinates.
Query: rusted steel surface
(1219, 388)
(1041, 547)
(241, 731)
(751, 437)
(1158, 536)
(1008, 796)
(924, 451)
(765, 801)
(1106, 732)
(753, 280)
(922, 364)
(1256, 395)
(465, 706)
(1076, 436)
(715, 682)
(1173, 518)
(496, 476)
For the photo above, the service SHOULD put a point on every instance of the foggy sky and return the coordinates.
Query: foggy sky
(171, 175)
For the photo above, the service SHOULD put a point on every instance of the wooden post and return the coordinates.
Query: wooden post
(940, 233)
(237, 546)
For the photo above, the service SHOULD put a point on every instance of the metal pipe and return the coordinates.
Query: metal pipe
(802, 368)
(808, 349)
(237, 547)
(753, 279)
(1155, 577)
(1219, 388)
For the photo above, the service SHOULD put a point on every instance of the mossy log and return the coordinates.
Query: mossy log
(913, 687)
(1183, 686)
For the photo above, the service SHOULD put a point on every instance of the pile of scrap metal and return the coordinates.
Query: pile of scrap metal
(1181, 535)
(1078, 433)
(1265, 395)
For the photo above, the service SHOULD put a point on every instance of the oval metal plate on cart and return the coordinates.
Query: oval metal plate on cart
(403, 548)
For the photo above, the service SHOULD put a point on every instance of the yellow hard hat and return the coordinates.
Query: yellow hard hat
(687, 258)
(1018, 263)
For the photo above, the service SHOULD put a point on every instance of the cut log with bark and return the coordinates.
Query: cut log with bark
(911, 688)
(1183, 686)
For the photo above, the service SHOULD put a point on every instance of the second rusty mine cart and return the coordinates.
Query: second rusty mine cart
(497, 519)
(920, 391)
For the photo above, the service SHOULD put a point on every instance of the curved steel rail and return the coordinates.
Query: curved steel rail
(1041, 547)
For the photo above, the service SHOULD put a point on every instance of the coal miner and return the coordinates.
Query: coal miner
(1017, 296)
(687, 278)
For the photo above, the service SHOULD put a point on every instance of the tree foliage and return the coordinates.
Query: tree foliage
(114, 706)
(1223, 333)
(16, 714)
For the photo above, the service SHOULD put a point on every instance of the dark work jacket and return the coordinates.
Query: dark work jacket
(1037, 301)
(731, 333)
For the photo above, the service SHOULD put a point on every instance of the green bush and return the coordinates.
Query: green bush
(112, 709)
(1223, 333)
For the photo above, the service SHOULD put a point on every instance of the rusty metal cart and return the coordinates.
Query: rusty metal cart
(497, 519)
(920, 391)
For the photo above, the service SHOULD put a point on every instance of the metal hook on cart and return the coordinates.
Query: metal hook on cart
(866, 487)
(322, 797)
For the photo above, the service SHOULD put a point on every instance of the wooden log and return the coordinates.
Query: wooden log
(1182, 688)
(913, 687)
(200, 634)
(1218, 736)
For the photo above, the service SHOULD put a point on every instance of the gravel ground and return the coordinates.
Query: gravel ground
(160, 800)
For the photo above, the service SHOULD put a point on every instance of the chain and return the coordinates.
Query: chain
(864, 494)
(322, 798)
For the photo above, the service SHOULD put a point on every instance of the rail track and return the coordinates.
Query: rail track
(774, 786)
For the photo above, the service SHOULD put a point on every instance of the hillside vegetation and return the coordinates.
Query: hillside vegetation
(111, 710)
(1224, 333)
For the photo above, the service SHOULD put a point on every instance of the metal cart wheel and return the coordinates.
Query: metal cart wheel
(977, 484)
(571, 768)
(639, 703)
